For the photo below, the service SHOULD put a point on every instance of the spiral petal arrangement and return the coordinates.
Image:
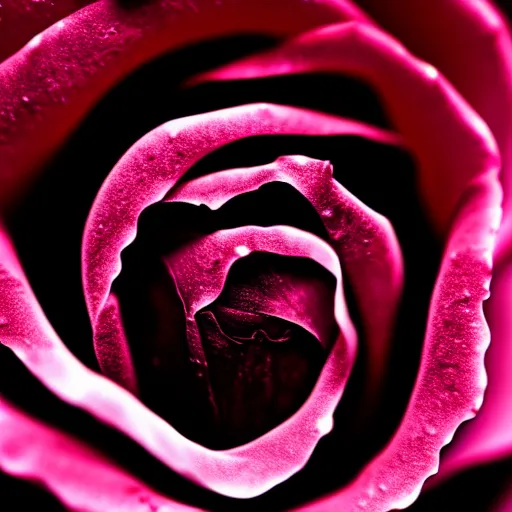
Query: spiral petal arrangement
(51, 83)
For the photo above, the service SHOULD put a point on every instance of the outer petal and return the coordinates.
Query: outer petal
(81, 479)
(364, 240)
(451, 381)
(49, 85)
(450, 141)
(20, 20)
(471, 44)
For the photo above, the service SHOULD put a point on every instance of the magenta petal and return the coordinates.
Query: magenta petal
(80, 478)
(451, 380)
(488, 436)
(50, 84)
(112, 348)
(149, 170)
(364, 240)
(451, 142)
(22, 19)
(242, 472)
(471, 44)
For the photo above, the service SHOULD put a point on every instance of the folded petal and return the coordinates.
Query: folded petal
(451, 142)
(50, 84)
(471, 44)
(80, 478)
(364, 240)
(451, 381)
(150, 169)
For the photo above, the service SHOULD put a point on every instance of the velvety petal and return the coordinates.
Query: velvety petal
(154, 164)
(243, 472)
(451, 381)
(364, 240)
(471, 44)
(488, 436)
(451, 142)
(80, 478)
(50, 84)
(453, 147)
(20, 20)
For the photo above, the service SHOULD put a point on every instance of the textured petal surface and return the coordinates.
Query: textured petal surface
(49, 85)
(470, 43)
(453, 147)
(473, 48)
(450, 141)
(364, 240)
(83, 480)
(243, 472)
(451, 380)
(20, 20)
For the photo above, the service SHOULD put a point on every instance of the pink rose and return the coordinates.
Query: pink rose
(270, 329)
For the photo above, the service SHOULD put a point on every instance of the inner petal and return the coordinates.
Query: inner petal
(265, 339)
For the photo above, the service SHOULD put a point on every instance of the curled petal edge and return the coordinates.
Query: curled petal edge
(364, 240)
(83, 480)
(242, 472)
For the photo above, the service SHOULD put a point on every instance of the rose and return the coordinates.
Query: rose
(456, 118)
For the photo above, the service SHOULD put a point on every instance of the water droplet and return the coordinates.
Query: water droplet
(429, 429)
(242, 250)
(328, 212)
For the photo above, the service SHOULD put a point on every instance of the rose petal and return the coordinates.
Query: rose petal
(453, 146)
(20, 20)
(80, 478)
(451, 380)
(153, 166)
(470, 43)
(50, 84)
(451, 142)
(364, 240)
(200, 270)
(473, 48)
(243, 472)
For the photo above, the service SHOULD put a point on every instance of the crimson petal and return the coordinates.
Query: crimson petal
(50, 84)
(451, 142)
(458, 165)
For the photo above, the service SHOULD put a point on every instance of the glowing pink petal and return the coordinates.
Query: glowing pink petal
(20, 20)
(471, 44)
(243, 472)
(451, 380)
(488, 436)
(451, 142)
(364, 240)
(49, 85)
(80, 478)
(150, 169)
